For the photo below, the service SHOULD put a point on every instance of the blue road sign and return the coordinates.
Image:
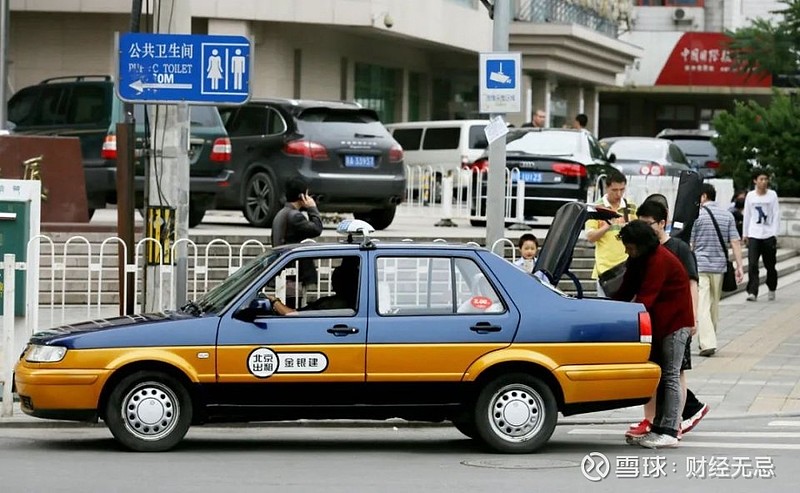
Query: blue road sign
(184, 68)
(501, 74)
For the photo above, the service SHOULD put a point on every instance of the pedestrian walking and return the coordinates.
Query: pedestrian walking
(713, 230)
(654, 212)
(608, 249)
(656, 278)
(760, 229)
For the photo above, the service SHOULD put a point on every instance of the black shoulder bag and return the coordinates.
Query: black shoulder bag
(729, 278)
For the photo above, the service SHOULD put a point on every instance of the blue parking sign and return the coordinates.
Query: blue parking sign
(173, 68)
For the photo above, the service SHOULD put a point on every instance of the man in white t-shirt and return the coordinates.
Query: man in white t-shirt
(760, 233)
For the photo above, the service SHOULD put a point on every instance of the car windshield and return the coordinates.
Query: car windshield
(639, 150)
(696, 147)
(544, 143)
(218, 298)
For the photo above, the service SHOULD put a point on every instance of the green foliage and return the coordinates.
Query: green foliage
(768, 47)
(757, 136)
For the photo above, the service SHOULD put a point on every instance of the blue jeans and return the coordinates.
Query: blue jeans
(668, 353)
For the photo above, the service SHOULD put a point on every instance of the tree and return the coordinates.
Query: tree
(767, 137)
(769, 47)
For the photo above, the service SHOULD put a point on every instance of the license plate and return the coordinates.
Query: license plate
(359, 161)
(528, 176)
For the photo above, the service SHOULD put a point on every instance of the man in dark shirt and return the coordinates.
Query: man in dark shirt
(657, 279)
(291, 226)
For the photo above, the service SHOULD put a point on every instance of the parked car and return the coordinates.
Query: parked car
(557, 166)
(426, 332)
(349, 158)
(209, 159)
(646, 156)
(85, 106)
(698, 148)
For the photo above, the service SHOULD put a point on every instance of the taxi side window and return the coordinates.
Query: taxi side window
(317, 286)
(433, 286)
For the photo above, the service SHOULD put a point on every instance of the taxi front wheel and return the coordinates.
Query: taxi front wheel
(515, 414)
(149, 411)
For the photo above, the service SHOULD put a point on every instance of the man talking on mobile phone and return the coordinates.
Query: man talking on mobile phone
(292, 226)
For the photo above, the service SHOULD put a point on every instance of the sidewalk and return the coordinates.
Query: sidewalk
(755, 372)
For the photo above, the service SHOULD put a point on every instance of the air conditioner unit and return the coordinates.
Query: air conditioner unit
(681, 15)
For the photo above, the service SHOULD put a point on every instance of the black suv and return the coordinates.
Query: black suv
(86, 107)
(348, 157)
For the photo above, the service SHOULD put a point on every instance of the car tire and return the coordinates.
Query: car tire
(515, 414)
(149, 411)
(379, 219)
(260, 200)
(466, 427)
(196, 214)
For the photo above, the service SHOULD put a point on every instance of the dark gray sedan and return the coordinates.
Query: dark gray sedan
(646, 156)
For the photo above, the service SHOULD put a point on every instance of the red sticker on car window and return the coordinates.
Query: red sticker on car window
(481, 302)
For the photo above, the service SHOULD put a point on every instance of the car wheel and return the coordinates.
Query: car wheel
(515, 414)
(196, 214)
(260, 200)
(378, 218)
(149, 411)
(466, 427)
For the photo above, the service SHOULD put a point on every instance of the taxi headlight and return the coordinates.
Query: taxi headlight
(45, 354)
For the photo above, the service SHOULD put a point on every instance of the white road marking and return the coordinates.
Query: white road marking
(707, 434)
(784, 423)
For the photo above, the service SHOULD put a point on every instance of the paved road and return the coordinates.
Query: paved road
(389, 460)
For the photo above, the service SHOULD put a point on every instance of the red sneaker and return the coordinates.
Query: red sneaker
(640, 430)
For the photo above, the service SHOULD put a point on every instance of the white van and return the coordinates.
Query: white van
(445, 145)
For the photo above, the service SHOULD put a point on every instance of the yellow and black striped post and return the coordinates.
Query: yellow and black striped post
(160, 227)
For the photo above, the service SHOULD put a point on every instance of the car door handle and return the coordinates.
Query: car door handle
(341, 330)
(485, 328)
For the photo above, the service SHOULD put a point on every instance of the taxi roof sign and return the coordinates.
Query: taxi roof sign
(352, 227)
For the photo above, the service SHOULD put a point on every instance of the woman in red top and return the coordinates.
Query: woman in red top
(657, 279)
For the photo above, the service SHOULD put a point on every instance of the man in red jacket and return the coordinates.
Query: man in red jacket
(658, 280)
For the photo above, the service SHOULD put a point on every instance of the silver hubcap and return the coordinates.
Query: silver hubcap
(150, 411)
(516, 413)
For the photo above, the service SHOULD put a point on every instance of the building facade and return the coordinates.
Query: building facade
(685, 76)
(408, 59)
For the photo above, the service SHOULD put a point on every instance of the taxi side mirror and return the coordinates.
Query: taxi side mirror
(259, 307)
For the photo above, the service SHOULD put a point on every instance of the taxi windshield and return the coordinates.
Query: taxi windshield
(219, 297)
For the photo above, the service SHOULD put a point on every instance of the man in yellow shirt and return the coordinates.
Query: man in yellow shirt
(608, 249)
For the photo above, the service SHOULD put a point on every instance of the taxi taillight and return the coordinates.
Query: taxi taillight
(645, 328)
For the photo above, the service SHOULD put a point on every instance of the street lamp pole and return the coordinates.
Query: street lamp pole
(4, 14)
(495, 193)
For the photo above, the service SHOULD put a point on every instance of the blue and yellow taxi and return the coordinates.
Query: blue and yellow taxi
(359, 330)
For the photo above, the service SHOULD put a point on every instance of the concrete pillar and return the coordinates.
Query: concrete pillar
(229, 27)
(540, 97)
(591, 106)
(403, 116)
(575, 102)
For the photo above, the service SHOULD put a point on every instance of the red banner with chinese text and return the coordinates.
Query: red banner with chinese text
(702, 59)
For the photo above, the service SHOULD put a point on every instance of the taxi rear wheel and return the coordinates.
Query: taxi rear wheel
(149, 411)
(515, 414)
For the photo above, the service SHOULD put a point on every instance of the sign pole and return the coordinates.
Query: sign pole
(168, 186)
(495, 195)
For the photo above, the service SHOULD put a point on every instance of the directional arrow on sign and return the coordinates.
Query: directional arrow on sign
(140, 86)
